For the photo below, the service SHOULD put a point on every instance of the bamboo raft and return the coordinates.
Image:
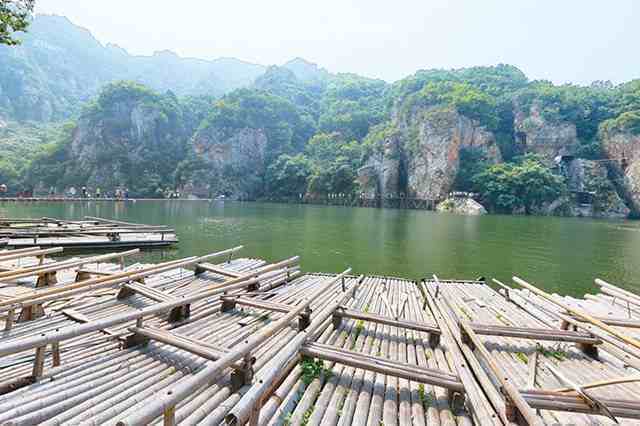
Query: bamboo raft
(245, 341)
(90, 233)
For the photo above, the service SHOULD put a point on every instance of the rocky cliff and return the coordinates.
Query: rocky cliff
(592, 192)
(420, 155)
(623, 150)
(547, 139)
(232, 162)
(436, 137)
(130, 137)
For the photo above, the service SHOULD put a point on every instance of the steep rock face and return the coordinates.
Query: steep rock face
(421, 158)
(536, 135)
(623, 148)
(596, 195)
(234, 162)
(380, 176)
(435, 138)
(126, 141)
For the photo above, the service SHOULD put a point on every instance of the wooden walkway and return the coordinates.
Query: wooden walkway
(347, 201)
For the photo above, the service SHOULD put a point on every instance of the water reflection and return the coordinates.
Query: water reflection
(561, 254)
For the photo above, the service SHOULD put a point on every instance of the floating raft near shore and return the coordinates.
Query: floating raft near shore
(245, 341)
(90, 233)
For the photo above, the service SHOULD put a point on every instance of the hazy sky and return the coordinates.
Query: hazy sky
(560, 40)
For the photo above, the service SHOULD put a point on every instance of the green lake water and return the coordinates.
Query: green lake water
(559, 254)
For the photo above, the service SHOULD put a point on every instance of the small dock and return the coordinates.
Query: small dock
(90, 233)
(222, 339)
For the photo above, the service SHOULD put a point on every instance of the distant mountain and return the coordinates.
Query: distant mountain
(60, 65)
(306, 71)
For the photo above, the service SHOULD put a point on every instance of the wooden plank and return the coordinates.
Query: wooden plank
(548, 400)
(148, 292)
(615, 322)
(194, 346)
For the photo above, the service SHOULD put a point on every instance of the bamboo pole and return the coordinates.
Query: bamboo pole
(266, 377)
(32, 253)
(45, 295)
(601, 383)
(42, 269)
(511, 392)
(604, 284)
(583, 315)
(78, 330)
(466, 362)
(384, 366)
(615, 347)
(186, 387)
(23, 250)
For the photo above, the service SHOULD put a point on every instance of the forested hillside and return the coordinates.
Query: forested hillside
(59, 66)
(298, 130)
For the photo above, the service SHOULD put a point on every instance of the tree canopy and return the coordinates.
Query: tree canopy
(524, 185)
(14, 17)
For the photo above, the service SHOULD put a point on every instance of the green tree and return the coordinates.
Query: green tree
(14, 17)
(526, 185)
(288, 176)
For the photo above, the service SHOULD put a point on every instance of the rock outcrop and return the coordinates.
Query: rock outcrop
(421, 156)
(547, 139)
(623, 149)
(380, 176)
(464, 206)
(593, 194)
(234, 162)
(130, 138)
(435, 138)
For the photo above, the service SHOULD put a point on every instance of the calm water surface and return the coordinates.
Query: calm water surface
(559, 254)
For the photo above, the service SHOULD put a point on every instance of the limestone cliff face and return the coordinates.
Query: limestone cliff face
(594, 194)
(380, 176)
(435, 138)
(547, 139)
(623, 149)
(126, 143)
(422, 157)
(234, 161)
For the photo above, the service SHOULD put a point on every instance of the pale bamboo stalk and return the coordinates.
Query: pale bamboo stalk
(186, 387)
(41, 269)
(585, 316)
(74, 331)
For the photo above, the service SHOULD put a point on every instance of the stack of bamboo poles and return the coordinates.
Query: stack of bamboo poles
(530, 379)
(192, 342)
(188, 372)
(90, 232)
(226, 330)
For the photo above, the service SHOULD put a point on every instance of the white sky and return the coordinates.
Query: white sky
(560, 40)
